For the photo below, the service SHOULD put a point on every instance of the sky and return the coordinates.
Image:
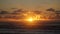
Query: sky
(29, 4)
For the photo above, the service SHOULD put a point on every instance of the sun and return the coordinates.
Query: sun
(30, 19)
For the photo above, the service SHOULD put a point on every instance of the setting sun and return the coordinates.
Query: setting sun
(30, 19)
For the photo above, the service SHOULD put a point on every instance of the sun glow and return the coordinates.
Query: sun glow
(30, 19)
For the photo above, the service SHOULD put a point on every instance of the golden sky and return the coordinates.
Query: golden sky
(29, 4)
